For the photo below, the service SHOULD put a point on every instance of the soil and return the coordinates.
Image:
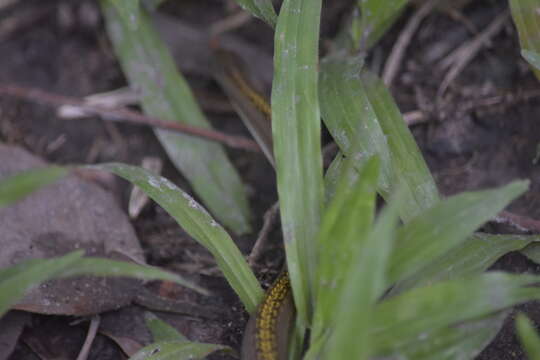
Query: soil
(62, 47)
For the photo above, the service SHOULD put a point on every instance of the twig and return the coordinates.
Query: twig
(46, 98)
(269, 219)
(466, 52)
(519, 222)
(391, 67)
(90, 336)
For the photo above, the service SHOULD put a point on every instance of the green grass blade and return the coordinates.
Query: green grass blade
(107, 267)
(263, 9)
(447, 225)
(296, 131)
(532, 57)
(176, 350)
(462, 342)
(15, 281)
(358, 109)
(194, 219)
(365, 283)
(20, 185)
(474, 256)
(129, 11)
(346, 222)
(525, 15)
(161, 331)
(332, 176)
(375, 19)
(166, 95)
(406, 317)
(528, 337)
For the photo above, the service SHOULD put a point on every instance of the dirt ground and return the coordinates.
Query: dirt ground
(482, 131)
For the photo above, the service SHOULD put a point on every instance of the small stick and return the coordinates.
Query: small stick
(90, 336)
(519, 222)
(269, 219)
(46, 98)
(391, 67)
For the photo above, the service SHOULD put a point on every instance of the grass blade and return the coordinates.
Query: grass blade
(20, 185)
(107, 267)
(161, 331)
(426, 309)
(129, 11)
(474, 256)
(446, 226)
(528, 337)
(165, 94)
(263, 9)
(365, 283)
(194, 219)
(346, 222)
(177, 350)
(296, 131)
(532, 57)
(525, 16)
(15, 281)
(358, 109)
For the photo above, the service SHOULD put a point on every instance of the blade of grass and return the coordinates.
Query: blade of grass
(528, 337)
(405, 317)
(346, 222)
(525, 15)
(194, 219)
(165, 94)
(129, 11)
(15, 281)
(20, 185)
(107, 267)
(263, 9)
(375, 19)
(532, 57)
(358, 109)
(161, 331)
(177, 350)
(365, 283)
(296, 131)
(474, 256)
(445, 226)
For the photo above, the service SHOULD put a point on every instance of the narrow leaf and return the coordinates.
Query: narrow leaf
(263, 9)
(525, 16)
(15, 281)
(447, 225)
(405, 317)
(165, 94)
(528, 337)
(20, 185)
(532, 57)
(474, 256)
(177, 350)
(129, 11)
(161, 331)
(196, 221)
(357, 109)
(296, 131)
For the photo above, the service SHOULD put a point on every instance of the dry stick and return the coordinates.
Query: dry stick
(519, 222)
(391, 67)
(269, 219)
(466, 52)
(46, 98)
(92, 331)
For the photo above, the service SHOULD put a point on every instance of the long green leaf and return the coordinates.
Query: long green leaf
(403, 318)
(296, 131)
(445, 226)
(474, 256)
(528, 337)
(263, 9)
(375, 19)
(365, 283)
(107, 267)
(129, 11)
(199, 224)
(525, 15)
(20, 185)
(176, 350)
(359, 110)
(532, 57)
(161, 331)
(15, 281)
(346, 222)
(165, 94)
